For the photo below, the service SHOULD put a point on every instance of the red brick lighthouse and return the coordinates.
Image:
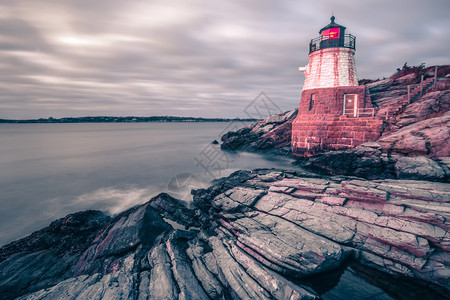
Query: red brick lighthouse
(334, 112)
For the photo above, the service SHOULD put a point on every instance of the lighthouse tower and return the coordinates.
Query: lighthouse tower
(331, 59)
(334, 112)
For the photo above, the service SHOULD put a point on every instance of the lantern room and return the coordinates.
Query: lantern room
(332, 35)
(331, 59)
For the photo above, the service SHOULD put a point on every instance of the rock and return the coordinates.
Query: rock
(162, 285)
(379, 86)
(272, 134)
(362, 161)
(281, 118)
(139, 226)
(292, 250)
(175, 210)
(215, 142)
(418, 167)
(431, 105)
(188, 284)
(278, 137)
(264, 234)
(233, 141)
(45, 257)
(428, 137)
(365, 216)
(368, 161)
(197, 253)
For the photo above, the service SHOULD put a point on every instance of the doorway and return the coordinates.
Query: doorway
(351, 105)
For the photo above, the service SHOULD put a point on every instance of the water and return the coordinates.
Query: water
(50, 170)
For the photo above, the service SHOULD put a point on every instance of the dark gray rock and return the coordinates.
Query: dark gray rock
(419, 167)
(366, 161)
(46, 257)
(270, 135)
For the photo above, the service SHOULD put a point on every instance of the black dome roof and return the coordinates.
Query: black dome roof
(332, 25)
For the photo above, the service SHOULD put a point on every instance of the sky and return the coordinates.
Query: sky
(209, 58)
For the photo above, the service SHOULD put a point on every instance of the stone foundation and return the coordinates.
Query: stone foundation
(315, 133)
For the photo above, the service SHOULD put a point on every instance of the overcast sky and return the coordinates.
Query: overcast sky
(207, 58)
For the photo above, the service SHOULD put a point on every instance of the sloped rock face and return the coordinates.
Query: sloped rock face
(428, 137)
(270, 135)
(433, 104)
(263, 234)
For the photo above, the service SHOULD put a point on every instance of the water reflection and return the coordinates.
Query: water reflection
(353, 281)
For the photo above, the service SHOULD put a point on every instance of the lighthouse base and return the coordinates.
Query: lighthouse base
(334, 118)
(313, 134)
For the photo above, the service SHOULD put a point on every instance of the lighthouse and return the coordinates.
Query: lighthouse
(331, 59)
(334, 111)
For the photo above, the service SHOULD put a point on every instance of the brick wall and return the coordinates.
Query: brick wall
(331, 100)
(322, 125)
(314, 133)
(330, 67)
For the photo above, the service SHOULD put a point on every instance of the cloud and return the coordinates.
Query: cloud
(72, 58)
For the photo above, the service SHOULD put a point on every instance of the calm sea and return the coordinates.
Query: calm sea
(50, 170)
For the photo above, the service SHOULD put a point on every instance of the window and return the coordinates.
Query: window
(330, 34)
(312, 99)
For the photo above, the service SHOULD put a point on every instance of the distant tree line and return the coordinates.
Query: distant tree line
(129, 119)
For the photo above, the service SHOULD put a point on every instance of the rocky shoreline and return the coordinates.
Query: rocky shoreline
(375, 217)
(260, 234)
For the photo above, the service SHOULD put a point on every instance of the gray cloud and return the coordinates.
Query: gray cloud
(192, 58)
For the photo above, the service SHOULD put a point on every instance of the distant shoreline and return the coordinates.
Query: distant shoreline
(104, 119)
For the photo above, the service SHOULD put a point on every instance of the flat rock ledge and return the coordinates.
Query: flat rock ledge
(253, 235)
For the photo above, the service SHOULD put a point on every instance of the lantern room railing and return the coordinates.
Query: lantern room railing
(349, 41)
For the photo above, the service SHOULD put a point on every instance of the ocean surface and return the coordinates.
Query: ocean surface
(50, 170)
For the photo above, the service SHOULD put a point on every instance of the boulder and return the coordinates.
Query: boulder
(419, 167)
